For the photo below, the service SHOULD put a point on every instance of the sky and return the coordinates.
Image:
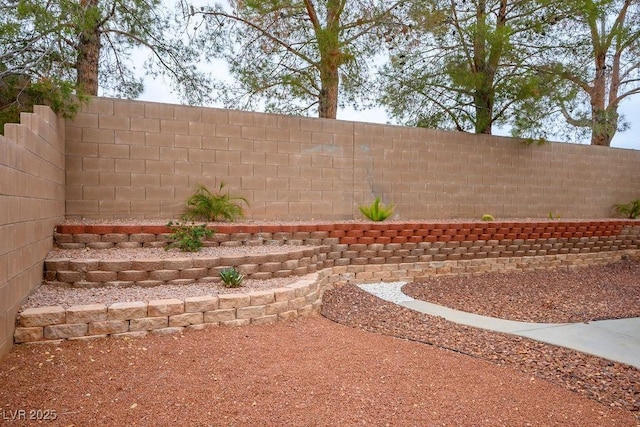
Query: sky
(157, 91)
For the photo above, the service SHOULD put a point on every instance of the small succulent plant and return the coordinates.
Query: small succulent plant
(377, 212)
(231, 278)
(630, 210)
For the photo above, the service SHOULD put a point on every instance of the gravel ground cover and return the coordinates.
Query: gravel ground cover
(307, 372)
(48, 295)
(611, 383)
(557, 296)
(161, 253)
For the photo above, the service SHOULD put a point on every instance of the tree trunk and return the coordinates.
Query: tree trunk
(483, 103)
(600, 122)
(88, 56)
(330, 61)
(604, 127)
(328, 98)
(483, 93)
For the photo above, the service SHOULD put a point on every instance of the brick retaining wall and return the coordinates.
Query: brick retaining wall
(54, 323)
(619, 233)
(303, 298)
(337, 254)
(88, 273)
(329, 245)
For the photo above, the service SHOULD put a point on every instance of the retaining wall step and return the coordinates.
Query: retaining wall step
(153, 272)
(107, 236)
(302, 298)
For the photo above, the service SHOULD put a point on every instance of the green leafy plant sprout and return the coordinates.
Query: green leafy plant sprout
(231, 278)
(553, 217)
(630, 210)
(208, 206)
(188, 237)
(487, 217)
(376, 211)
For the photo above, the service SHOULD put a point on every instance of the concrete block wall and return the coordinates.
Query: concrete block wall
(32, 202)
(133, 159)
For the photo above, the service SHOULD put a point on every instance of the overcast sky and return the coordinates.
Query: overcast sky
(156, 90)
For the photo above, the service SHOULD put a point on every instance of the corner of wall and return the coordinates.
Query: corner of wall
(32, 178)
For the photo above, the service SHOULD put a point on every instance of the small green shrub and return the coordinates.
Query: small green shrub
(187, 238)
(377, 212)
(208, 206)
(487, 217)
(553, 217)
(630, 210)
(231, 278)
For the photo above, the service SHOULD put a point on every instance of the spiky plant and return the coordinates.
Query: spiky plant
(208, 206)
(231, 278)
(630, 210)
(376, 211)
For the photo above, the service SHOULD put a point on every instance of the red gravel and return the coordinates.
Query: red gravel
(556, 296)
(309, 372)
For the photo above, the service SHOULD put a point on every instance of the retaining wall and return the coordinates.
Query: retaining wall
(32, 191)
(303, 298)
(443, 249)
(170, 315)
(132, 159)
(328, 245)
(90, 273)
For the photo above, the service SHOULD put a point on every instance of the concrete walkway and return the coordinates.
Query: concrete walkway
(617, 340)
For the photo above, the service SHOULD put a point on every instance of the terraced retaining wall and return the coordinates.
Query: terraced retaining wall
(132, 159)
(328, 245)
(420, 250)
(376, 243)
(170, 315)
(86, 273)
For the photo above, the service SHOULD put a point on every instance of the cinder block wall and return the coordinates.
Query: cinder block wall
(129, 159)
(31, 204)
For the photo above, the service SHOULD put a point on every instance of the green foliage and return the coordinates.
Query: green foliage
(297, 57)
(630, 210)
(231, 278)
(487, 217)
(553, 217)
(591, 56)
(18, 95)
(49, 41)
(208, 206)
(188, 237)
(377, 212)
(475, 69)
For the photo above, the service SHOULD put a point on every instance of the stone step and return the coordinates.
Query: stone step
(134, 319)
(88, 272)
